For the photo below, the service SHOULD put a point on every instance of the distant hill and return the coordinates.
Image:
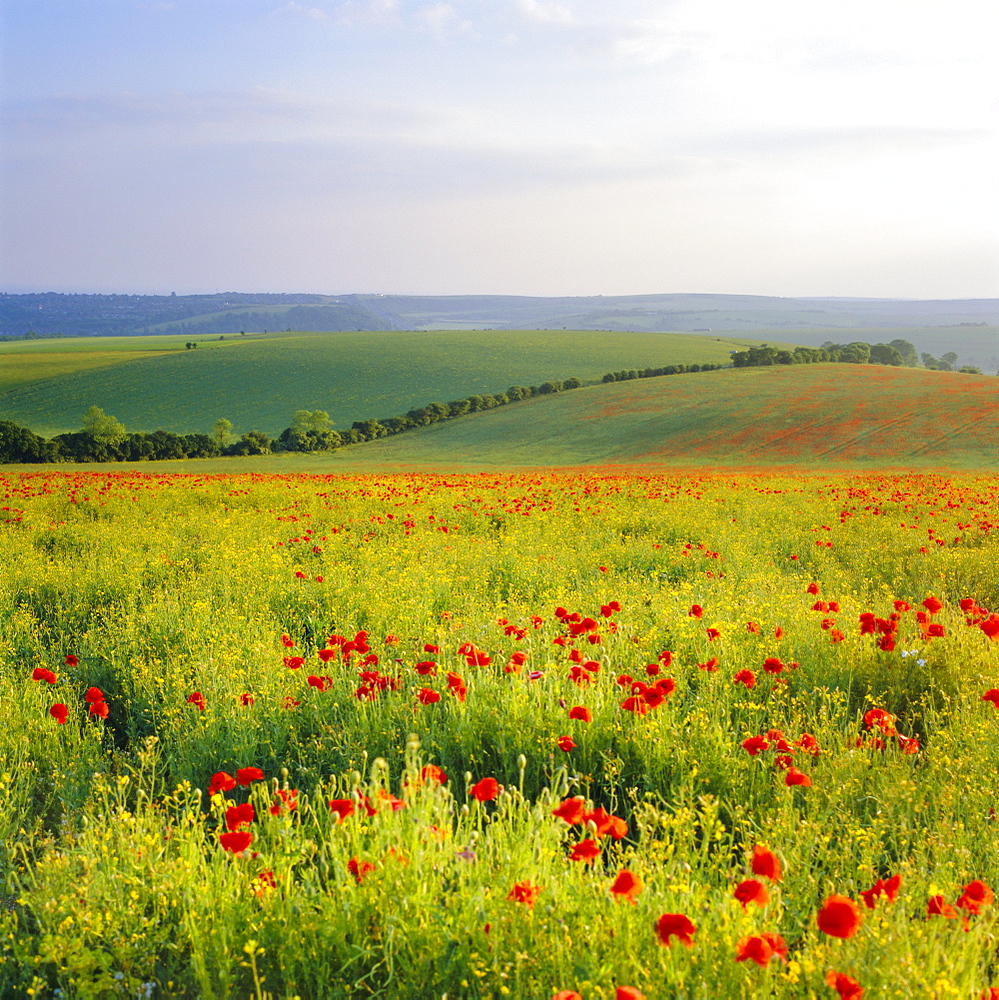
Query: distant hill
(810, 416)
(798, 320)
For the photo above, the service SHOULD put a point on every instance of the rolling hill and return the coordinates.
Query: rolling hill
(258, 381)
(811, 417)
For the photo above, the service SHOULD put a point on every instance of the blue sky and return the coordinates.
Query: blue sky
(541, 147)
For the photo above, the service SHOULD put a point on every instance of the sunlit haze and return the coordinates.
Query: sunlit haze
(501, 146)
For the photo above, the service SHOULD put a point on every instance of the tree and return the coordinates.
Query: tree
(316, 421)
(929, 361)
(909, 357)
(222, 432)
(885, 354)
(102, 427)
(948, 361)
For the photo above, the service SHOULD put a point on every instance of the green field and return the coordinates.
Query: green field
(810, 416)
(258, 381)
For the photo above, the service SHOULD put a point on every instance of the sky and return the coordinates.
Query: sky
(533, 147)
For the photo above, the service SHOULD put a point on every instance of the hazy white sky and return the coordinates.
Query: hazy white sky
(542, 147)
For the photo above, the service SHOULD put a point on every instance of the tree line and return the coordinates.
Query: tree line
(898, 353)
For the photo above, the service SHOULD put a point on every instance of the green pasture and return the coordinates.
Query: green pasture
(257, 381)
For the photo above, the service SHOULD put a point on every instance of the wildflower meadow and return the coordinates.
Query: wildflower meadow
(548, 735)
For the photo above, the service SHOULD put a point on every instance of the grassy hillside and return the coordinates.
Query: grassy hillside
(813, 416)
(258, 382)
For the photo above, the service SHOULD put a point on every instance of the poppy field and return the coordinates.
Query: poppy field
(573, 735)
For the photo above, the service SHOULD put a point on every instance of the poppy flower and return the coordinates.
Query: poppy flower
(566, 743)
(93, 694)
(746, 677)
(712, 634)
(937, 907)
(198, 699)
(976, 895)
(98, 709)
(432, 774)
(427, 696)
(839, 917)
(773, 665)
(627, 885)
(606, 825)
(236, 841)
(846, 986)
(359, 869)
(237, 816)
(755, 744)
(246, 698)
(426, 668)
(582, 713)
(677, 925)
(766, 863)
(585, 850)
(284, 799)
(571, 810)
(992, 695)
(932, 605)
(760, 948)
(696, 611)
(485, 790)
(245, 775)
(71, 660)
(711, 666)
(752, 890)
(635, 703)
(341, 808)
(628, 993)
(41, 674)
(795, 777)
(567, 995)
(60, 713)
(524, 892)
(323, 683)
(221, 781)
(883, 887)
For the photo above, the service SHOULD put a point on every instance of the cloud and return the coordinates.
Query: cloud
(545, 13)
(366, 13)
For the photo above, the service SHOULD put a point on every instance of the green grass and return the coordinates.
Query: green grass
(257, 382)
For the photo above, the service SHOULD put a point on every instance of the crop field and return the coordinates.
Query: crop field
(810, 416)
(526, 735)
(258, 381)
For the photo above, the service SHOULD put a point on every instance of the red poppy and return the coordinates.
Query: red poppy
(766, 863)
(606, 825)
(755, 744)
(567, 995)
(936, 906)
(432, 774)
(71, 660)
(427, 696)
(711, 666)
(847, 987)
(571, 810)
(696, 611)
(93, 694)
(635, 703)
(197, 698)
(485, 790)
(883, 887)
(582, 713)
(236, 841)
(284, 799)
(746, 677)
(839, 917)
(247, 774)
(41, 674)
(585, 850)
(712, 634)
(812, 588)
(772, 665)
(60, 713)
(752, 890)
(237, 816)
(976, 895)
(628, 993)
(359, 869)
(627, 885)
(760, 948)
(99, 709)
(566, 743)
(426, 668)
(341, 808)
(992, 695)
(221, 782)
(246, 698)
(677, 925)
(932, 605)
(524, 892)
(795, 777)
